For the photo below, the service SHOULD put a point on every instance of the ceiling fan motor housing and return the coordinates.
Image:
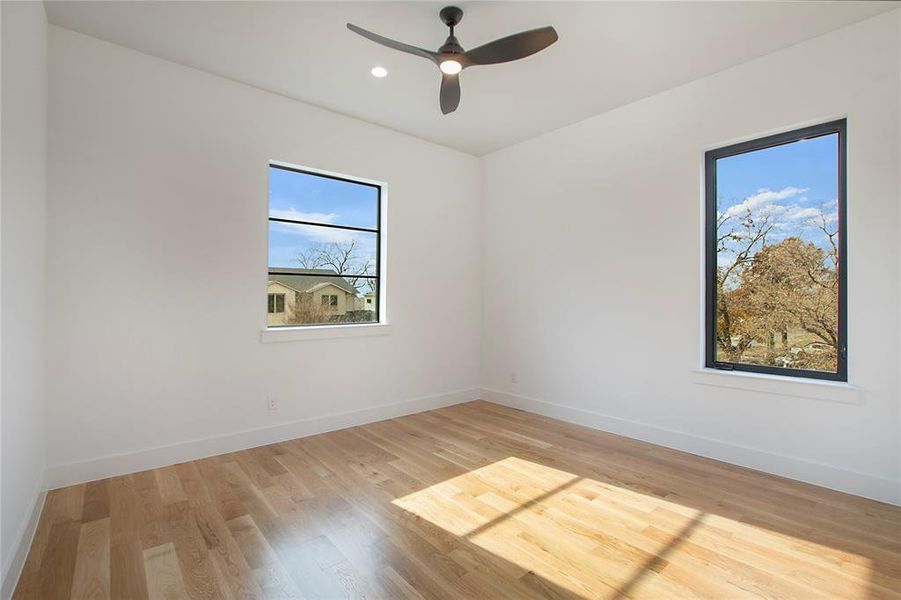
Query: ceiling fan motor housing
(451, 46)
(451, 15)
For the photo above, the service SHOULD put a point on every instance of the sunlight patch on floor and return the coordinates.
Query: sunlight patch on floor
(592, 538)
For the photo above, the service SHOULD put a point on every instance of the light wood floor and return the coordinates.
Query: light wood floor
(471, 501)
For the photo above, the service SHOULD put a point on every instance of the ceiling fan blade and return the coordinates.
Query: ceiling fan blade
(512, 47)
(450, 93)
(378, 39)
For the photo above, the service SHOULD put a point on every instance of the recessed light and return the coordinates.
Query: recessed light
(379, 71)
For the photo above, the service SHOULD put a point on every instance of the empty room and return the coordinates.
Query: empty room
(489, 300)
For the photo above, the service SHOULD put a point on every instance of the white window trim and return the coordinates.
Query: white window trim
(323, 332)
(796, 387)
(346, 330)
(817, 389)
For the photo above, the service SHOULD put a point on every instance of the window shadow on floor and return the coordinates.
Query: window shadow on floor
(804, 539)
(470, 501)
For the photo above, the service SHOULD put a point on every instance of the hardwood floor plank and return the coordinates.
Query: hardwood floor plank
(127, 578)
(164, 577)
(191, 549)
(276, 584)
(152, 524)
(253, 545)
(400, 587)
(96, 501)
(236, 577)
(192, 483)
(91, 580)
(170, 486)
(218, 489)
(58, 564)
(270, 574)
(469, 501)
(29, 584)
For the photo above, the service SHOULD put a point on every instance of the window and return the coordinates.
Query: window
(324, 241)
(276, 303)
(776, 254)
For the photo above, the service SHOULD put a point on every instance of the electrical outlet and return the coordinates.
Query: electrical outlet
(271, 403)
(513, 377)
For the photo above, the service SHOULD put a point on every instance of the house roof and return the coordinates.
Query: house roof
(304, 280)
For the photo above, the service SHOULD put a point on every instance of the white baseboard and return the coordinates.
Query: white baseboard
(852, 482)
(151, 458)
(843, 480)
(12, 567)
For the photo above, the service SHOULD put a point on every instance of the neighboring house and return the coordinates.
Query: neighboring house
(327, 294)
(369, 301)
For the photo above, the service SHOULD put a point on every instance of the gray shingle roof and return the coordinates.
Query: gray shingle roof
(303, 280)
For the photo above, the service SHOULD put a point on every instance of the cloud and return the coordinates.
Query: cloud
(763, 196)
(796, 213)
(311, 232)
(296, 215)
(792, 212)
(773, 210)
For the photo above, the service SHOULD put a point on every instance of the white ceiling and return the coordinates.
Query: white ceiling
(609, 53)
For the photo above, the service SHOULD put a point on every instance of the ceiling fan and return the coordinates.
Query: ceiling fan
(451, 58)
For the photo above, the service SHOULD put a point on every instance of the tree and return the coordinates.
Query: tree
(793, 279)
(794, 284)
(347, 259)
(766, 292)
(738, 238)
(305, 310)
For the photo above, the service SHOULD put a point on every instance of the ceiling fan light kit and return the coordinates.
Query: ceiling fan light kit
(451, 58)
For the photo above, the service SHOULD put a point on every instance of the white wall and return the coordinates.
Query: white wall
(158, 186)
(610, 208)
(22, 260)
(157, 265)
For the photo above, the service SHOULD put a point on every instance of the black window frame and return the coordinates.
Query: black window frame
(710, 157)
(377, 278)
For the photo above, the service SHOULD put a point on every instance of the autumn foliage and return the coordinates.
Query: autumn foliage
(777, 304)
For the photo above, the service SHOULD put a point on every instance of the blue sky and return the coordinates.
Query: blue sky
(794, 184)
(303, 197)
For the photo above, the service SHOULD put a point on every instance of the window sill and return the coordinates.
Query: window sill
(322, 332)
(830, 391)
